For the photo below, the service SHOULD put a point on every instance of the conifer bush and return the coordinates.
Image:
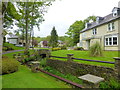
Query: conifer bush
(9, 66)
(96, 50)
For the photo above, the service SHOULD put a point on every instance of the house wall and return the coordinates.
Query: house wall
(119, 36)
(102, 31)
(13, 41)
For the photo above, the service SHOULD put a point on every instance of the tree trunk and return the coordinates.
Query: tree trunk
(26, 31)
(1, 42)
(1, 38)
(32, 34)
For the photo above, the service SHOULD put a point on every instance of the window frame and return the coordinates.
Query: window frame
(107, 43)
(111, 26)
(94, 31)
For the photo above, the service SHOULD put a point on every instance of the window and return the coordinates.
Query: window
(94, 31)
(106, 39)
(114, 14)
(112, 40)
(111, 26)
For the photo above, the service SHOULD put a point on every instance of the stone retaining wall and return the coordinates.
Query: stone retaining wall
(79, 69)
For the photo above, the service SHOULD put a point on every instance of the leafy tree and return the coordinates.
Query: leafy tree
(6, 18)
(66, 40)
(76, 27)
(74, 30)
(10, 14)
(54, 38)
(35, 42)
(32, 16)
(93, 18)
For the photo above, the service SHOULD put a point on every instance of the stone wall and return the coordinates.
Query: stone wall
(79, 69)
(44, 51)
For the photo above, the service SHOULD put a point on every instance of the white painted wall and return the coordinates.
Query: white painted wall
(12, 41)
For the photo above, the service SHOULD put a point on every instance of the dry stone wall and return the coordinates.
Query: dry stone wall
(78, 69)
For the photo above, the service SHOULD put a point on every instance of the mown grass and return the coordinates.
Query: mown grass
(9, 47)
(24, 78)
(107, 56)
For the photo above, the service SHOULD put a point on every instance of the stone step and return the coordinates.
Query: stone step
(91, 81)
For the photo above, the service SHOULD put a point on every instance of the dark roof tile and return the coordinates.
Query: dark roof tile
(106, 19)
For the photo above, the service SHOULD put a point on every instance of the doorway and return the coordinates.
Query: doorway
(88, 44)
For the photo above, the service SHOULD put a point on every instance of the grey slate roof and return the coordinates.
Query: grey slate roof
(105, 20)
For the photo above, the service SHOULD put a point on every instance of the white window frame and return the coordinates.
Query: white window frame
(111, 40)
(94, 31)
(115, 13)
(110, 26)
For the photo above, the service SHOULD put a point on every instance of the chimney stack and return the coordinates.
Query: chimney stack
(119, 4)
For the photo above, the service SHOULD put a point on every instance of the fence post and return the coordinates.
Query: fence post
(117, 65)
(69, 57)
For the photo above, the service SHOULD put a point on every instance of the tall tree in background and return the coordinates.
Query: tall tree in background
(93, 18)
(74, 30)
(32, 16)
(54, 38)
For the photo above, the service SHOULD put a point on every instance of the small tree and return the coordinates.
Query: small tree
(54, 38)
(96, 50)
(35, 42)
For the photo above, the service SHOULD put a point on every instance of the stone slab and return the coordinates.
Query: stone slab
(35, 62)
(91, 78)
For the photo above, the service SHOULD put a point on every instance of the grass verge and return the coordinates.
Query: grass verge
(24, 78)
(107, 56)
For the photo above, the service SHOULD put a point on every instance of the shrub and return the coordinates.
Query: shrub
(32, 58)
(9, 65)
(78, 48)
(112, 83)
(63, 47)
(4, 48)
(96, 49)
(9, 46)
(55, 49)
(43, 62)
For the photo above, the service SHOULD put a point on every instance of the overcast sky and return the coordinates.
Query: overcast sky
(64, 13)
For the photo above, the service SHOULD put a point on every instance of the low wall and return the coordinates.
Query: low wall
(79, 69)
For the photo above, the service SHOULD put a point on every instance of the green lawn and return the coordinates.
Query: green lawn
(107, 56)
(24, 78)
